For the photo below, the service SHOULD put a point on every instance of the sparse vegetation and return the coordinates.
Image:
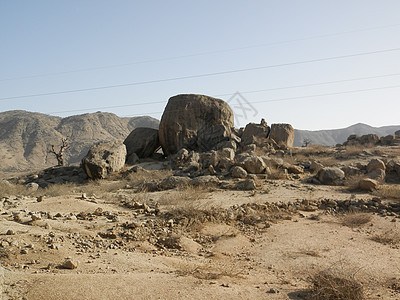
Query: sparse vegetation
(59, 154)
(390, 237)
(388, 192)
(356, 219)
(336, 284)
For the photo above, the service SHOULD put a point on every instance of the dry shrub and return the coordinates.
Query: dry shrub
(55, 190)
(328, 161)
(185, 195)
(278, 173)
(8, 189)
(336, 284)
(209, 271)
(356, 219)
(144, 176)
(388, 192)
(390, 237)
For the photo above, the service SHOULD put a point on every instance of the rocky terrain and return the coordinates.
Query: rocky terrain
(228, 214)
(339, 136)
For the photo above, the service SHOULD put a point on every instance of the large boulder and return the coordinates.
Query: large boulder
(141, 141)
(103, 159)
(187, 115)
(330, 175)
(282, 134)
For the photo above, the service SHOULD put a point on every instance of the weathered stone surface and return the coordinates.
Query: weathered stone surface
(172, 182)
(368, 184)
(350, 170)
(103, 159)
(282, 134)
(205, 180)
(254, 165)
(186, 115)
(141, 141)
(238, 172)
(293, 169)
(247, 185)
(255, 134)
(377, 174)
(330, 175)
(69, 264)
(210, 137)
(316, 166)
(374, 164)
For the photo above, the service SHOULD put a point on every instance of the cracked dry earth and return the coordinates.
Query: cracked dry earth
(198, 244)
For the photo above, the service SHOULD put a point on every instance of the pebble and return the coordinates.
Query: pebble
(69, 264)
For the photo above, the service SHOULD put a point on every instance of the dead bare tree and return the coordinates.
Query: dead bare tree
(60, 153)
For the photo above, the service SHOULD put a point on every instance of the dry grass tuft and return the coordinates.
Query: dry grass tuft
(354, 220)
(390, 237)
(184, 196)
(388, 192)
(334, 284)
(8, 189)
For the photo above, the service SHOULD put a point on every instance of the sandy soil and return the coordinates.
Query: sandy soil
(215, 260)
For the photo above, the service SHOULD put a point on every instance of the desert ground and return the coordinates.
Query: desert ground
(287, 238)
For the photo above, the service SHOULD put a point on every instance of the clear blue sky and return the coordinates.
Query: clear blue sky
(54, 46)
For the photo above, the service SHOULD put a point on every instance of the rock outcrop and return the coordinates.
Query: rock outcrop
(141, 141)
(103, 159)
(194, 122)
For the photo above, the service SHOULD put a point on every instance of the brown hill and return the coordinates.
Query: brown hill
(25, 137)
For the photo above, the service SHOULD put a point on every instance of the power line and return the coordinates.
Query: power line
(313, 84)
(201, 53)
(203, 75)
(229, 94)
(284, 99)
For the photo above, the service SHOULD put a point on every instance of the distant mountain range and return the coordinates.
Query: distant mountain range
(25, 137)
(339, 136)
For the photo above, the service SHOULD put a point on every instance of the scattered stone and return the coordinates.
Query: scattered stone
(32, 186)
(40, 198)
(10, 232)
(375, 164)
(330, 175)
(247, 185)
(238, 172)
(368, 184)
(69, 264)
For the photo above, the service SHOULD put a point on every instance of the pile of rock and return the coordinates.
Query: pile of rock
(374, 172)
(196, 133)
(373, 139)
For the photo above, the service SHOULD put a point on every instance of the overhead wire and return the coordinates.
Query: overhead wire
(202, 53)
(203, 75)
(270, 100)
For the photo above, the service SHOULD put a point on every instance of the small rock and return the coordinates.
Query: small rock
(10, 232)
(40, 198)
(69, 264)
(368, 184)
(238, 172)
